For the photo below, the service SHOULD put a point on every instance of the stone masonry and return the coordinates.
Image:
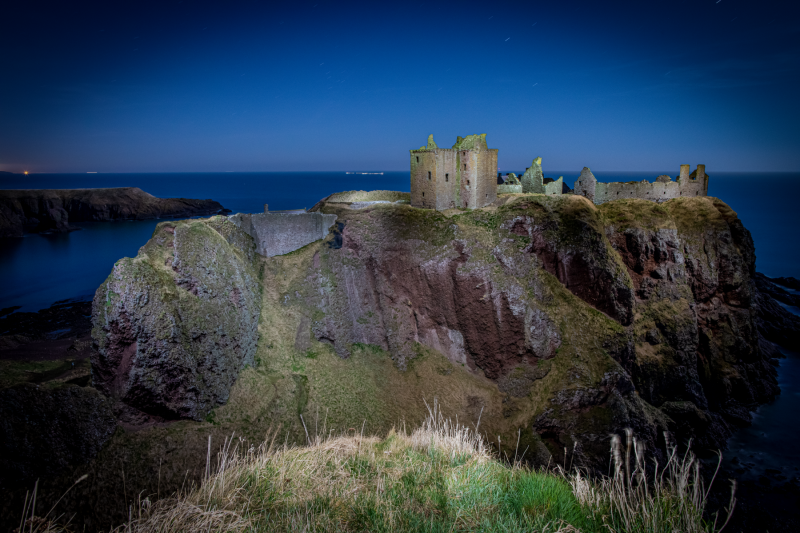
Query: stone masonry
(462, 176)
(279, 233)
(661, 190)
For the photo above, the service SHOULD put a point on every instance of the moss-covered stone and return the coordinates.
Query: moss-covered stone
(175, 325)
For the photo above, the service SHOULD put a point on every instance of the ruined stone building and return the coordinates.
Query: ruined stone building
(661, 190)
(462, 176)
(465, 176)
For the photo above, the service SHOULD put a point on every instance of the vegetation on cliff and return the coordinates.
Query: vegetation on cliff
(551, 320)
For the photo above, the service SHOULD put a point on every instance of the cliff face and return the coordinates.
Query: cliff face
(174, 326)
(54, 209)
(546, 320)
(699, 355)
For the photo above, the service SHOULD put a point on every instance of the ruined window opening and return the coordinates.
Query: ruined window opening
(423, 195)
(467, 182)
(487, 195)
(417, 159)
(447, 177)
(429, 175)
(465, 166)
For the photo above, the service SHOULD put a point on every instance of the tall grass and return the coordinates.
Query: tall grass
(442, 477)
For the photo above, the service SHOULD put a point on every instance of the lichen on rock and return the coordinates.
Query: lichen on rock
(175, 325)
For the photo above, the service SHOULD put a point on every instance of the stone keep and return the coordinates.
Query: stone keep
(462, 176)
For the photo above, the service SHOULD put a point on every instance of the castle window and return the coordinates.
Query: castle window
(447, 177)
(465, 166)
(417, 159)
(429, 174)
(423, 195)
(467, 182)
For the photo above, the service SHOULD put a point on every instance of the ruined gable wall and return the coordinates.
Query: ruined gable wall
(586, 184)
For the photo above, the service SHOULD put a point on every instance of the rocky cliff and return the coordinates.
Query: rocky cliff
(174, 326)
(544, 320)
(41, 210)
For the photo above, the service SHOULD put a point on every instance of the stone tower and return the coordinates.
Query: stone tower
(462, 176)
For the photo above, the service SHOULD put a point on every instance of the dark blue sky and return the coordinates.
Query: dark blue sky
(320, 85)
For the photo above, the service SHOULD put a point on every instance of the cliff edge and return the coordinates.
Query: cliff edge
(39, 210)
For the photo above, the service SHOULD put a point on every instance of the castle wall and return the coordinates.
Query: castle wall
(554, 187)
(423, 188)
(657, 192)
(509, 189)
(281, 233)
(484, 186)
(448, 194)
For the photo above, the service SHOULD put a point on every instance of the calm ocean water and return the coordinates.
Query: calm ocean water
(37, 270)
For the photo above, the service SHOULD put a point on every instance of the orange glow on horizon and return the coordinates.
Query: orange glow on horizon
(26, 172)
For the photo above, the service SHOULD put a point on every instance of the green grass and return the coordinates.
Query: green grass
(441, 477)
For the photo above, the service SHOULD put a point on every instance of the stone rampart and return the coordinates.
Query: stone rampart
(281, 233)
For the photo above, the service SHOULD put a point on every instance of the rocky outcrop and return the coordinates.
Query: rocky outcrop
(174, 326)
(564, 320)
(43, 430)
(40, 210)
(699, 356)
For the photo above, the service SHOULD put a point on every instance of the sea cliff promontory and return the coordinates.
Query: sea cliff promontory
(546, 323)
(53, 210)
(559, 320)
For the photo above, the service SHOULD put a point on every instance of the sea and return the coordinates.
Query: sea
(38, 270)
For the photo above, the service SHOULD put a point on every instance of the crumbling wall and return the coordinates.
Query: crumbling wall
(663, 189)
(658, 192)
(532, 180)
(509, 189)
(281, 233)
(554, 187)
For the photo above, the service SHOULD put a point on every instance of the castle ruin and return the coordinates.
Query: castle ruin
(465, 176)
(661, 190)
(462, 176)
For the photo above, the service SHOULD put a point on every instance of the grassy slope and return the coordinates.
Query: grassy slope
(438, 478)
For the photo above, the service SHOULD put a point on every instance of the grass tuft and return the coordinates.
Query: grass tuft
(441, 477)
